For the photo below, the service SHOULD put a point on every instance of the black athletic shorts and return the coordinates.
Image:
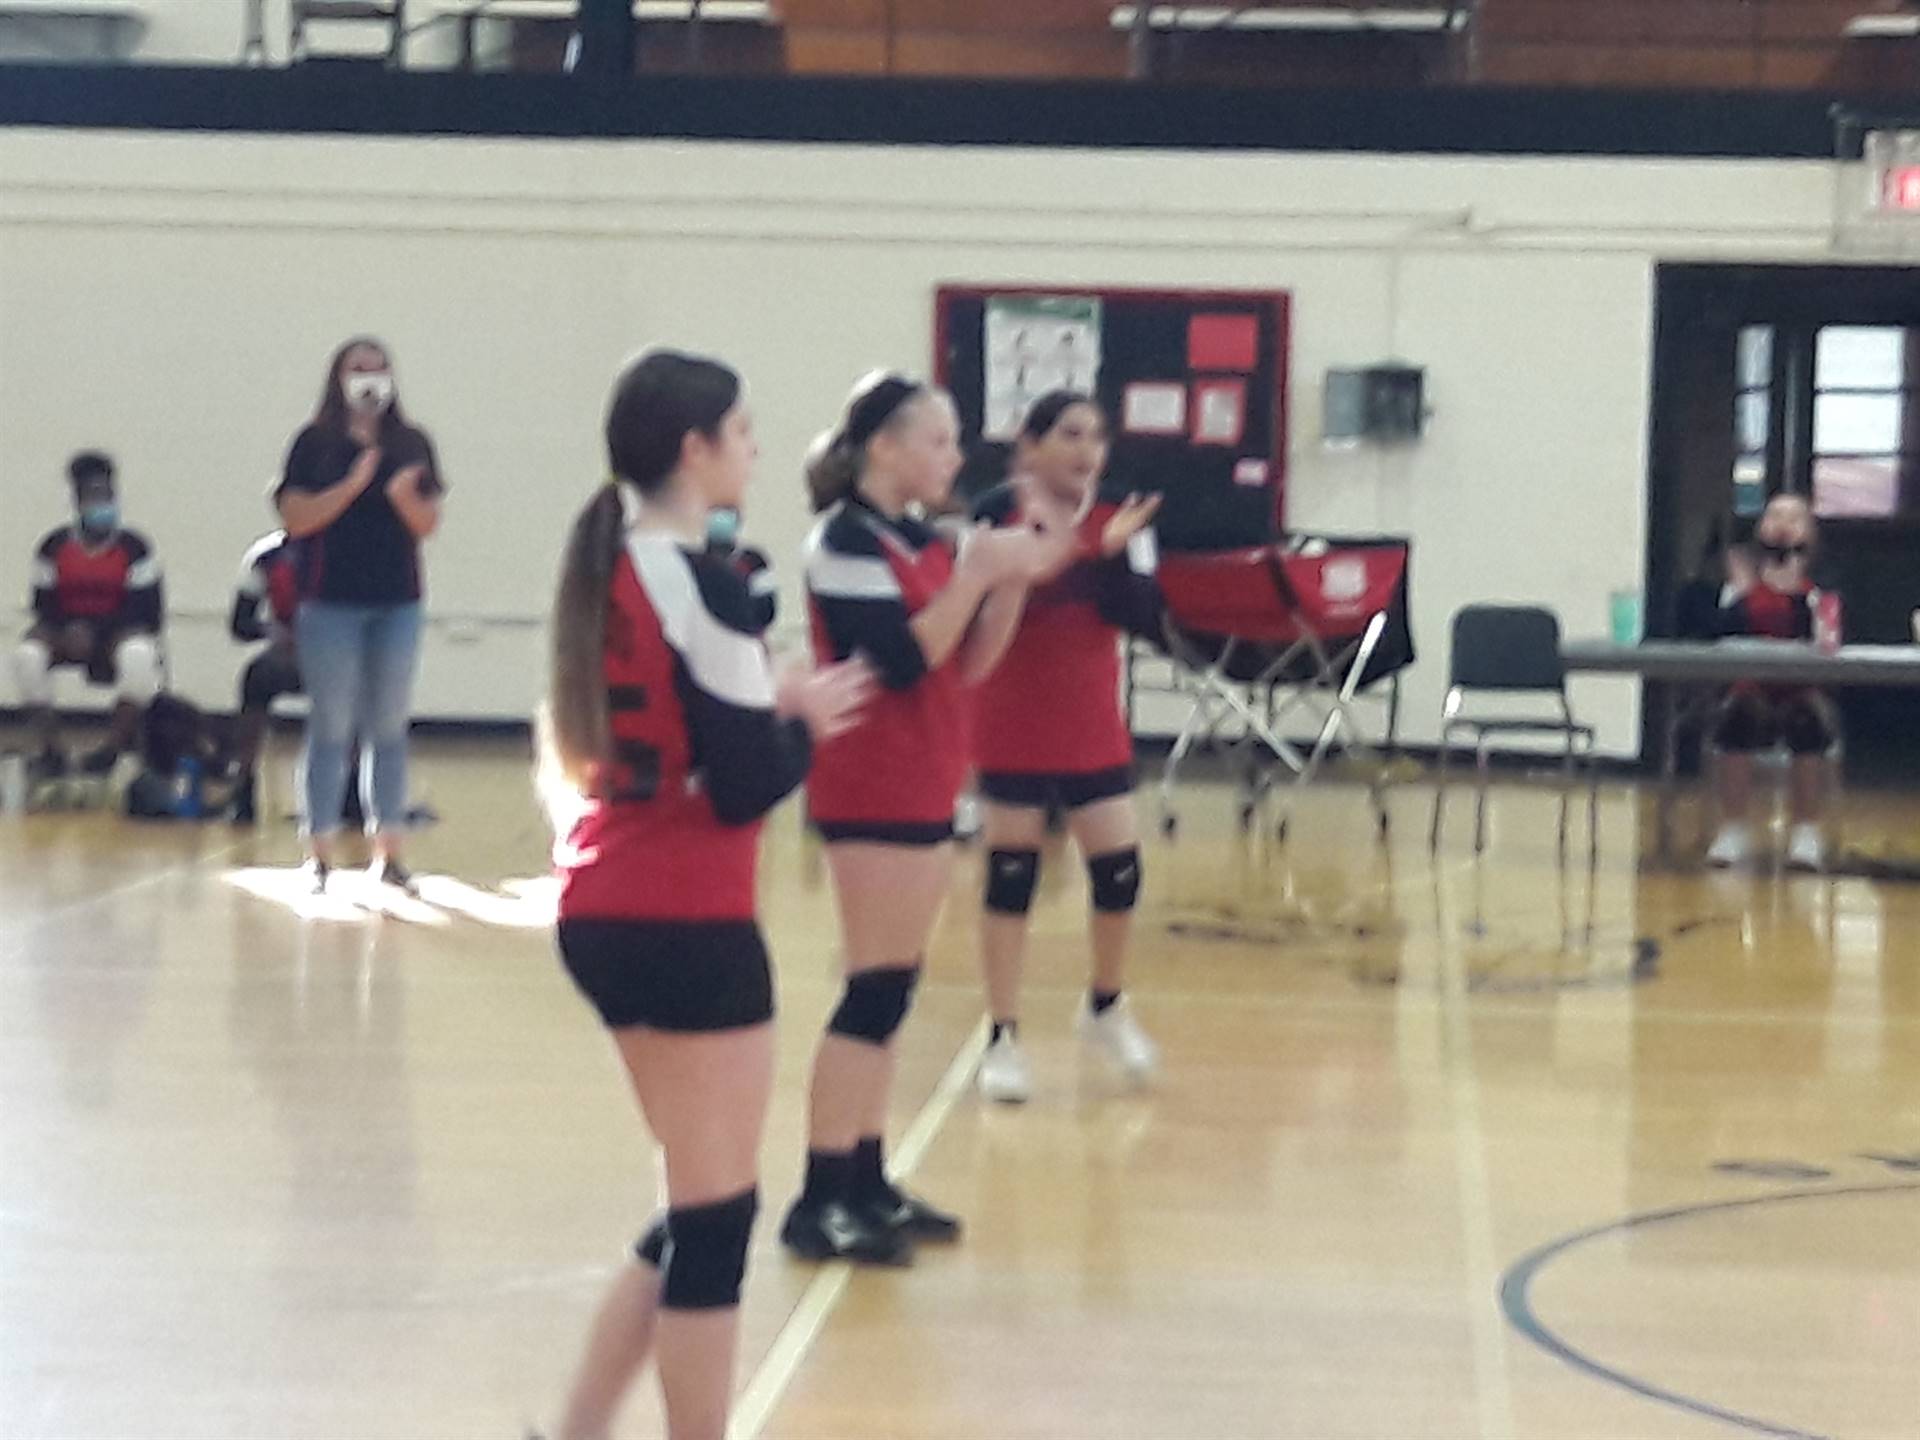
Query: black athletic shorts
(681, 975)
(1055, 792)
(924, 833)
(269, 675)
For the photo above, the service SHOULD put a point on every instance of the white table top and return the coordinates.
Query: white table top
(748, 12)
(75, 9)
(1882, 26)
(1404, 19)
(1722, 662)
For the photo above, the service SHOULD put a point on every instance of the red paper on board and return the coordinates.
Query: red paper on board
(1223, 342)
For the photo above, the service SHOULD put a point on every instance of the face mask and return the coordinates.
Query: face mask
(370, 392)
(723, 529)
(101, 517)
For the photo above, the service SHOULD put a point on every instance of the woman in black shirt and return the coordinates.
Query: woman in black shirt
(360, 492)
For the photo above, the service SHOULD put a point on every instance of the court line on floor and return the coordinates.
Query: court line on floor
(1492, 1389)
(1516, 1299)
(796, 1338)
(115, 892)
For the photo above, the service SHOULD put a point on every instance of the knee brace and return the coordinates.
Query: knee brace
(707, 1253)
(1115, 880)
(875, 1004)
(1011, 878)
(136, 668)
(33, 673)
(651, 1247)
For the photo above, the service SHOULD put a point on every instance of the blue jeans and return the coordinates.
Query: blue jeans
(358, 664)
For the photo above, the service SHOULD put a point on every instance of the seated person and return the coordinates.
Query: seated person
(263, 609)
(97, 605)
(1770, 593)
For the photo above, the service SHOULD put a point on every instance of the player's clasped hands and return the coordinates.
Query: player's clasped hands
(828, 698)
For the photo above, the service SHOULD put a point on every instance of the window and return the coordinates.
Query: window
(1752, 418)
(1865, 441)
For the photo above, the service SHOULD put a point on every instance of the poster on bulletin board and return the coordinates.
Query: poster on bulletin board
(1193, 384)
(1036, 344)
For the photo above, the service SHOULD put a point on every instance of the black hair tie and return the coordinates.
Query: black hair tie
(874, 409)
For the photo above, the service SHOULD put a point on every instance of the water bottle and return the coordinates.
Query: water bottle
(1826, 621)
(187, 802)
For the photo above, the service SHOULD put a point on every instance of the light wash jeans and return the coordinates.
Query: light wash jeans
(358, 663)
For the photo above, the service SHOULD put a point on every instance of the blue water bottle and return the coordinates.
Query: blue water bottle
(187, 800)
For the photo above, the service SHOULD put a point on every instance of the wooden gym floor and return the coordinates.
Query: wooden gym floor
(1496, 1149)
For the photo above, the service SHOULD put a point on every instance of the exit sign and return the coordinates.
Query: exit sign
(1900, 188)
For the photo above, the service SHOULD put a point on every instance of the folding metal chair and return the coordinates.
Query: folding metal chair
(1261, 633)
(1512, 650)
(390, 13)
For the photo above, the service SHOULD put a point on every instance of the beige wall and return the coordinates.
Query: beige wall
(173, 297)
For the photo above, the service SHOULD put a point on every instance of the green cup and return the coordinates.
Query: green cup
(1624, 616)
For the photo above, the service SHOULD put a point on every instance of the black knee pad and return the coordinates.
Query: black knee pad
(651, 1247)
(707, 1258)
(1115, 880)
(1805, 727)
(1011, 878)
(875, 1004)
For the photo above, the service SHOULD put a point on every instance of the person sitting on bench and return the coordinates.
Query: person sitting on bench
(98, 607)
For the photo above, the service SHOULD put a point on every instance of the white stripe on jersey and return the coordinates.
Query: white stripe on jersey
(834, 576)
(723, 662)
(143, 574)
(46, 575)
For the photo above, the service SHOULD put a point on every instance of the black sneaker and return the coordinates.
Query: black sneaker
(240, 807)
(911, 1216)
(392, 872)
(96, 764)
(49, 765)
(836, 1231)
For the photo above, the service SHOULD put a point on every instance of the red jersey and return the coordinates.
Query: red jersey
(1773, 614)
(672, 829)
(1053, 705)
(268, 595)
(868, 575)
(115, 584)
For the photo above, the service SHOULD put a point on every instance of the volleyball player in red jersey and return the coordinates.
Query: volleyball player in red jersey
(1050, 734)
(883, 584)
(667, 740)
(1772, 595)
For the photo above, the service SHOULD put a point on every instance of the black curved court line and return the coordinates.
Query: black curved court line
(1517, 1303)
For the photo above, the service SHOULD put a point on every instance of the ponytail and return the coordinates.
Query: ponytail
(832, 469)
(576, 729)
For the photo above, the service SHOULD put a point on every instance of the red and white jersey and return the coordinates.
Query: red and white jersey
(868, 575)
(1052, 706)
(671, 831)
(268, 595)
(115, 584)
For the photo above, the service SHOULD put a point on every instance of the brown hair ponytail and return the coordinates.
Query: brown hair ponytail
(577, 737)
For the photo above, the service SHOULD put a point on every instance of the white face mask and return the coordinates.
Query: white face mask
(370, 392)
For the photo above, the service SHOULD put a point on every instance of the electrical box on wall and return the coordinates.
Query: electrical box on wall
(1385, 404)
